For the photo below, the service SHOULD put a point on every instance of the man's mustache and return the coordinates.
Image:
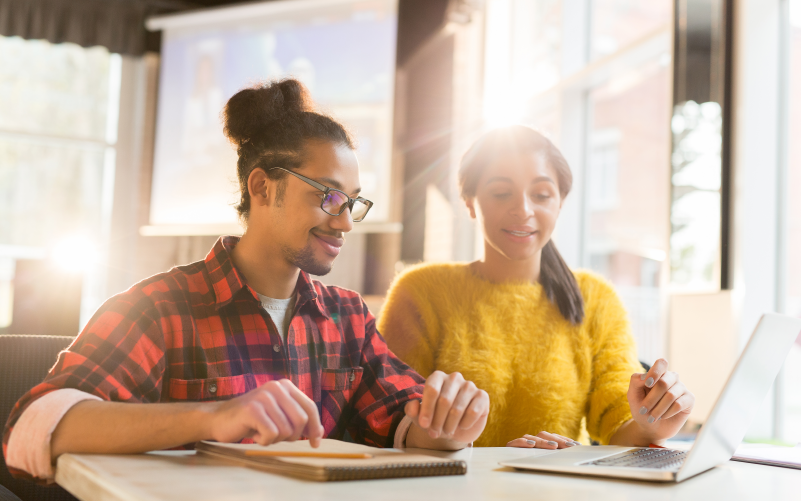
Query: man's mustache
(336, 234)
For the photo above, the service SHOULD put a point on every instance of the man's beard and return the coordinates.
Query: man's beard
(304, 259)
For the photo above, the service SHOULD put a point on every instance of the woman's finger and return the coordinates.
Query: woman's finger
(560, 441)
(567, 439)
(671, 395)
(655, 373)
(658, 391)
(542, 443)
(684, 403)
(523, 443)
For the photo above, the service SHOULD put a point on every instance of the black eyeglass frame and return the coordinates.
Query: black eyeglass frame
(326, 190)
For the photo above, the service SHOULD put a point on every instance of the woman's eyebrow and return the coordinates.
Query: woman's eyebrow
(541, 179)
(499, 179)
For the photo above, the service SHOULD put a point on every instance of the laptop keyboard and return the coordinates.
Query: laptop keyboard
(658, 459)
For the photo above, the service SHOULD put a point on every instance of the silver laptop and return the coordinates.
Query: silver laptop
(723, 431)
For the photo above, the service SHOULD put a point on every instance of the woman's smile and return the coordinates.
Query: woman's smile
(520, 234)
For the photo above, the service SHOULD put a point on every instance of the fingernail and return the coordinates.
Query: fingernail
(569, 444)
(433, 434)
(576, 443)
(643, 410)
(642, 376)
(530, 442)
(424, 422)
(550, 442)
(650, 382)
(651, 419)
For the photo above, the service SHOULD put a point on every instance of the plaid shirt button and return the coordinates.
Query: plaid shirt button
(276, 347)
(213, 388)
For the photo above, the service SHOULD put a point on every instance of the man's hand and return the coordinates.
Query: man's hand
(274, 412)
(659, 402)
(452, 408)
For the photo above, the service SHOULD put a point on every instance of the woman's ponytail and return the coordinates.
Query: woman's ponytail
(559, 284)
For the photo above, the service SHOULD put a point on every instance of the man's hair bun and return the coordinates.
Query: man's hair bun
(252, 111)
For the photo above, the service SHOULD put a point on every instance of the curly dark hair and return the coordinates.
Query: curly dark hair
(270, 124)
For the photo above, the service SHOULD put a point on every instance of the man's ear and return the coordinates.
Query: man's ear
(260, 188)
(471, 208)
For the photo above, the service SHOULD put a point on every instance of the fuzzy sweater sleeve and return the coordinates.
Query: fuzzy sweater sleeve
(614, 359)
(408, 320)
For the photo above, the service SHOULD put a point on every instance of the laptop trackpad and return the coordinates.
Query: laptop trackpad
(570, 456)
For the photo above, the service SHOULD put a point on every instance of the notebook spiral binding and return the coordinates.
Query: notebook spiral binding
(396, 471)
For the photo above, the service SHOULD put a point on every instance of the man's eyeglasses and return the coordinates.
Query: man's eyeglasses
(335, 201)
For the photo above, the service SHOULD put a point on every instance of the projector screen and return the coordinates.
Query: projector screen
(342, 50)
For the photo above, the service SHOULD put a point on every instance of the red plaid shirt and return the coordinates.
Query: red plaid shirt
(199, 333)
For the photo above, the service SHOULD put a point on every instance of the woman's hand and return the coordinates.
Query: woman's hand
(659, 402)
(543, 440)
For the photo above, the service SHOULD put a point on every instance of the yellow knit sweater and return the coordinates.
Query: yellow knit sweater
(541, 372)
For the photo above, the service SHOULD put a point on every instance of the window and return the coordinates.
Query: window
(58, 128)
(602, 178)
(617, 24)
(628, 191)
(601, 90)
(523, 55)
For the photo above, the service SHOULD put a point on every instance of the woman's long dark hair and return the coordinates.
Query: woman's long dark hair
(558, 282)
(270, 124)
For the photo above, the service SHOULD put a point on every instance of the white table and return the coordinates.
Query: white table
(186, 476)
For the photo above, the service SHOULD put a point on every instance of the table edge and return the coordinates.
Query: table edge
(80, 480)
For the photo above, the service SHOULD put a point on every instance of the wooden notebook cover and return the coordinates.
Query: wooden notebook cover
(385, 463)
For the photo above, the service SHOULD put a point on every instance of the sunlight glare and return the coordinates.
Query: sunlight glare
(74, 254)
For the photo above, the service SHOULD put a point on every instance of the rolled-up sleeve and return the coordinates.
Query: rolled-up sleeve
(119, 356)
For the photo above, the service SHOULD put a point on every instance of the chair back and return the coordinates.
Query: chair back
(24, 362)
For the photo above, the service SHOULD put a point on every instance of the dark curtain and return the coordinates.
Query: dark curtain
(118, 25)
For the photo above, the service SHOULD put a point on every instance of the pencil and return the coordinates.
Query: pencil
(312, 454)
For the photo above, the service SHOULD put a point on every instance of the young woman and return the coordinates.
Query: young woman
(551, 346)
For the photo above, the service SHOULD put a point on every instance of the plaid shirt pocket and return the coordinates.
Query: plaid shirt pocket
(338, 387)
(206, 390)
(344, 379)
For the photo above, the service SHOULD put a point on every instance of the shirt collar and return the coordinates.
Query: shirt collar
(227, 281)
(225, 278)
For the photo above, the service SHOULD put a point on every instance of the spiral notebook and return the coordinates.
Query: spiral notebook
(786, 457)
(384, 463)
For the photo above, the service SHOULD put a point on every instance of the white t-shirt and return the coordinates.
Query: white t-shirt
(277, 309)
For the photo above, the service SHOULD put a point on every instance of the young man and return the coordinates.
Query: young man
(244, 345)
